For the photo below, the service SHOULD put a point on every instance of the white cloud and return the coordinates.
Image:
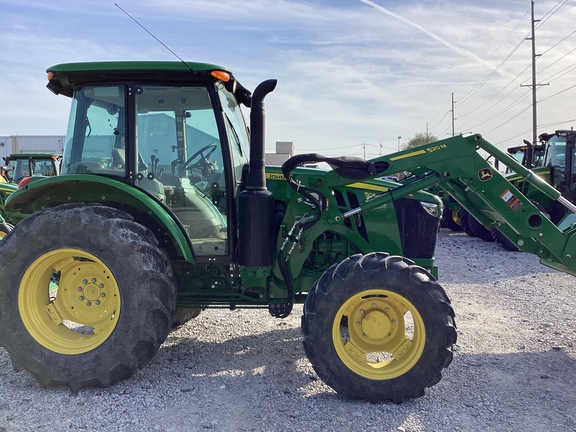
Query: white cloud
(348, 72)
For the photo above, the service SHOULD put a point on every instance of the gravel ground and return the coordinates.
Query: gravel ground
(514, 367)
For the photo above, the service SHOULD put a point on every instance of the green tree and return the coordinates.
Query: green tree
(420, 138)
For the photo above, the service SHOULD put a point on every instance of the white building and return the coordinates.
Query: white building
(31, 144)
(284, 151)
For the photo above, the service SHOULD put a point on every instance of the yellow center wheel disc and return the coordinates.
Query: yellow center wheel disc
(378, 334)
(69, 301)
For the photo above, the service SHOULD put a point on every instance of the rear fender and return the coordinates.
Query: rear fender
(43, 192)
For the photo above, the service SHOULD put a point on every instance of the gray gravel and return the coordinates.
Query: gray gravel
(514, 367)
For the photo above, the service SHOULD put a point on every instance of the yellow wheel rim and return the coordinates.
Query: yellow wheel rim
(378, 334)
(69, 301)
(455, 217)
(2, 235)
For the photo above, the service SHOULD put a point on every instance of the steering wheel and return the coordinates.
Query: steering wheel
(202, 166)
(203, 163)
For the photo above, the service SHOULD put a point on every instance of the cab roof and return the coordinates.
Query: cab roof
(63, 78)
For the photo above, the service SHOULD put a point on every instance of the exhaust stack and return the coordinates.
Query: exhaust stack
(256, 202)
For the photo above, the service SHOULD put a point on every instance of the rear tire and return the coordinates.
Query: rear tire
(464, 222)
(502, 240)
(377, 327)
(479, 230)
(451, 220)
(183, 315)
(88, 296)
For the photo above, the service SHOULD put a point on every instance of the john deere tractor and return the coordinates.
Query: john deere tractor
(17, 166)
(6, 189)
(164, 207)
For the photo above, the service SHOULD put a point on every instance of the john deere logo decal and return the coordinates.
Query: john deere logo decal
(485, 174)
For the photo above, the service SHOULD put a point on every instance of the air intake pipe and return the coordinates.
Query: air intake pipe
(256, 202)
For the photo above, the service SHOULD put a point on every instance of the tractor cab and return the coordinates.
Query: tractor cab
(21, 165)
(560, 158)
(184, 143)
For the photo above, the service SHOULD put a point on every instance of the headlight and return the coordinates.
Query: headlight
(432, 208)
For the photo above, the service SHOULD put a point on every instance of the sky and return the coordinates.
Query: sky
(353, 75)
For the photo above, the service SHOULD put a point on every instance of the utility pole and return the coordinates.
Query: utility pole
(534, 85)
(399, 138)
(452, 111)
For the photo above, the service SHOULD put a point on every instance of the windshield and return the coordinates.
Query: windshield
(556, 152)
(236, 128)
(32, 165)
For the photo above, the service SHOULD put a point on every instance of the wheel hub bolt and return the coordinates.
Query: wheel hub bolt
(91, 291)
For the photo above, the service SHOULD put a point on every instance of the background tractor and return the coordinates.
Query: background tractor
(6, 189)
(29, 164)
(164, 207)
(17, 166)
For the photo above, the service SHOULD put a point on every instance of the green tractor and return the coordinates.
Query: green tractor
(28, 164)
(6, 189)
(164, 207)
(18, 166)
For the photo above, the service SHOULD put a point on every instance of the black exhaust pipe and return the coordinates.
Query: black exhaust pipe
(256, 202)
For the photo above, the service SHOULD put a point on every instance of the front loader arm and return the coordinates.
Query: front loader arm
(490, 198)
(457, 167)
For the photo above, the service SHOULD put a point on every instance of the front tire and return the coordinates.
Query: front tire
(88, 297)
(377, 327)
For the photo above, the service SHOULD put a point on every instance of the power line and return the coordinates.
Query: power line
(551, 12)
(467, 95)
(560, 122)
(556, 61)
(508, 120)
(557, 75)
(493, 72)
(502, 111)
(556, 94)
(561, 73)
(533, 85)
(492, 97)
